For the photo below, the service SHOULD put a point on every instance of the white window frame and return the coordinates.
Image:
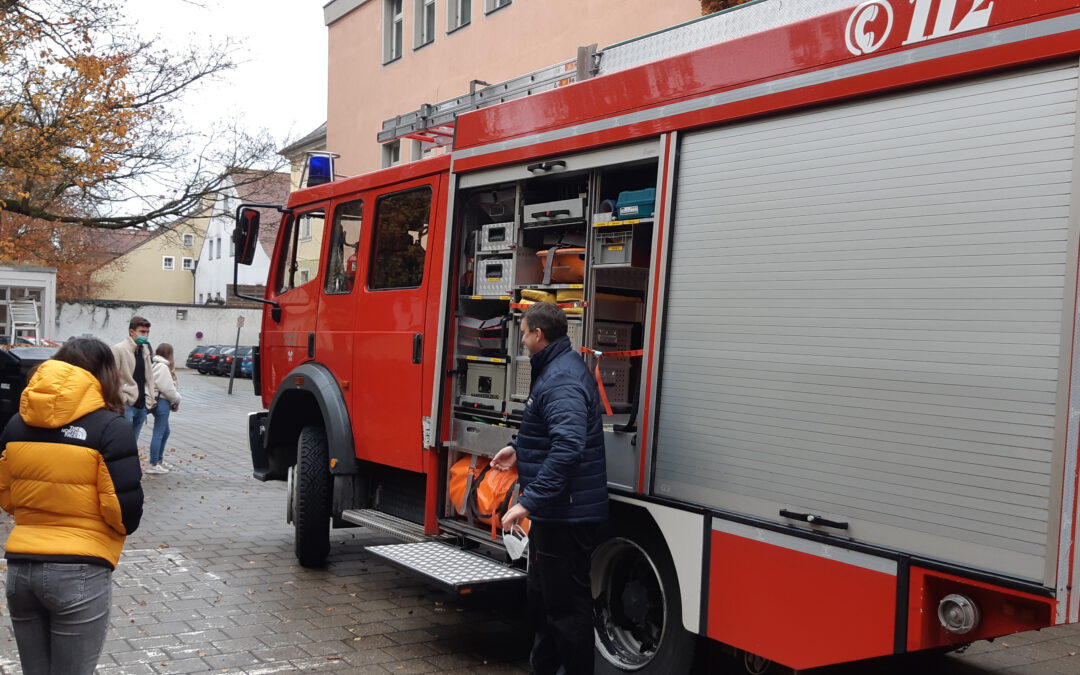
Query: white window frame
(187, 264)
(200, 298)
(232, 247)
(492, 5)
(423, 23)
(458, 14)
(219, 248)
(168, 262)
(393, 29)
(189, 240)
(305, 276)
(391, 154)
(305, 229)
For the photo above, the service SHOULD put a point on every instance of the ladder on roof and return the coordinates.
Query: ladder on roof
(434, 123)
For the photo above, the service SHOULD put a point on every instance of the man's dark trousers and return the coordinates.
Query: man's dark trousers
(560, 596)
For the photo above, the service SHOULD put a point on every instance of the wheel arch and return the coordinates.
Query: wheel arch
(309, 395)
(682, 534)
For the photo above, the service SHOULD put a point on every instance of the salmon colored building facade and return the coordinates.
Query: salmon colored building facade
(388, 57)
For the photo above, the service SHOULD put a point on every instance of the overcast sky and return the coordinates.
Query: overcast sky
(280, 84)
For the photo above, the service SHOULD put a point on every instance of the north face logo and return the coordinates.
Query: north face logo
(78, 433)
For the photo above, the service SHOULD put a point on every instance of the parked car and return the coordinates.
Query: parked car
(224, 361)
(208, 362)
(242, 353)
(247, 365)
(195, 356)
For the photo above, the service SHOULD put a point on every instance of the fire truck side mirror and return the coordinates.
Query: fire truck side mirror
(246, 235)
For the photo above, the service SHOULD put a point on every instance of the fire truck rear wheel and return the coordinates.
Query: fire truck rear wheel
(638, 611)
(311, 497)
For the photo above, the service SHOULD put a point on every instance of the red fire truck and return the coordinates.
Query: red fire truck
(823, 259)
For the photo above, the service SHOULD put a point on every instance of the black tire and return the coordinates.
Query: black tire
(312, 484)
(638, 612)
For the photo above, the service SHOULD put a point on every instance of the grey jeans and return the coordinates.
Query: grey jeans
(60, 613)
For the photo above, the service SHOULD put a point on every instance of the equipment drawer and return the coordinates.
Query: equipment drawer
(494, 277)
(549, 212)
(479, 438)
(496, 237)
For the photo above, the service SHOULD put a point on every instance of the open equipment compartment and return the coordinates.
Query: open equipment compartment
(550, 238)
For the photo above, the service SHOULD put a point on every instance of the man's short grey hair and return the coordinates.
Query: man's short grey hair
(549, 318)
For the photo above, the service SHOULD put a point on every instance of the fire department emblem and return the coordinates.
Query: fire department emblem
(869, 26)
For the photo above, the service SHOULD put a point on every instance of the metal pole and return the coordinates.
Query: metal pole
(236, 348)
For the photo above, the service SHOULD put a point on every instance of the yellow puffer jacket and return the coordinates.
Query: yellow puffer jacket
(69, 471)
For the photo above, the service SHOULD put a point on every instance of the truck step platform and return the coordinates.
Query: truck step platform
(395, 527)
(446, 566)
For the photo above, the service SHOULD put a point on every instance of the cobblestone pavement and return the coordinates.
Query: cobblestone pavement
(209, 584)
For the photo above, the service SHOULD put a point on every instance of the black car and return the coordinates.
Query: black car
(195, 356)
(228, 355)
(208, 362)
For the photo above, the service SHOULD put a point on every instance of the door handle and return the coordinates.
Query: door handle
(417, 347)
(311, 345)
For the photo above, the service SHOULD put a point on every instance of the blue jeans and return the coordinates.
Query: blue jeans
(60, 614)
(137, 417)
(161, 430)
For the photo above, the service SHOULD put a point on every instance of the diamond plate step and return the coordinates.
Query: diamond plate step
(446, 566)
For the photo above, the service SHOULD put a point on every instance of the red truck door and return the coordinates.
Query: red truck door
(391, 305)
(288, 343)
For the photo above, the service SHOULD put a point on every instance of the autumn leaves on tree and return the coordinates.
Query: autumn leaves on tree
(89, 131)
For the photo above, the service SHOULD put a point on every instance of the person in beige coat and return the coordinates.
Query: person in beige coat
(168, 401)
(133, 358)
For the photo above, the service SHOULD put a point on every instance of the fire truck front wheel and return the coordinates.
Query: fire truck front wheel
(638, 612)
(311, 487)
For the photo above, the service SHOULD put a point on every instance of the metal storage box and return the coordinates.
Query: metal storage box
(482, 335)
(494, 277)
(611, 337)
(485, 384)
(615, 374)
(550, 212)
(480, 438)
(496, 237)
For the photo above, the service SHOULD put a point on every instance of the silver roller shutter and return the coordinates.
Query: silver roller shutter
(865, 318)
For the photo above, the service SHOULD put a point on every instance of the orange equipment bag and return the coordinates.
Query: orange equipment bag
(479, 492)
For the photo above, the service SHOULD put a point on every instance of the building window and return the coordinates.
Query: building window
(200, 298)
(232, 247)
(187, 264)
(492, 5)
(168, 262)
(189, 240)
(424, 25)
(401, 227)
(393, 29)
(391, 153)
(181, 315)
(219, 248)
(458, 14)
(305, 229)
(305, 276)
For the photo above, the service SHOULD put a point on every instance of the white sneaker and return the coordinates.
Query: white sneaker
(167, 466)
(156, 468)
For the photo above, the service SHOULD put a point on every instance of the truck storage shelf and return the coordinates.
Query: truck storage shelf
(500, 298)
(485, 359)
(550, 287)
(629, 221)
(447, 566)
(570, 222)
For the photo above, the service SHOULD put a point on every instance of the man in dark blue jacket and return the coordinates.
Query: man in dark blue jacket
(559, 452)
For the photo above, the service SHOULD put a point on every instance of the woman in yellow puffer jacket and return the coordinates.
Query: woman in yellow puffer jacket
(70, 474)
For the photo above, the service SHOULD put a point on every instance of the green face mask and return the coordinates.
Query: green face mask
(142, 340)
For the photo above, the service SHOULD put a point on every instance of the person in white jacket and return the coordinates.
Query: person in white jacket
(168, 401)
